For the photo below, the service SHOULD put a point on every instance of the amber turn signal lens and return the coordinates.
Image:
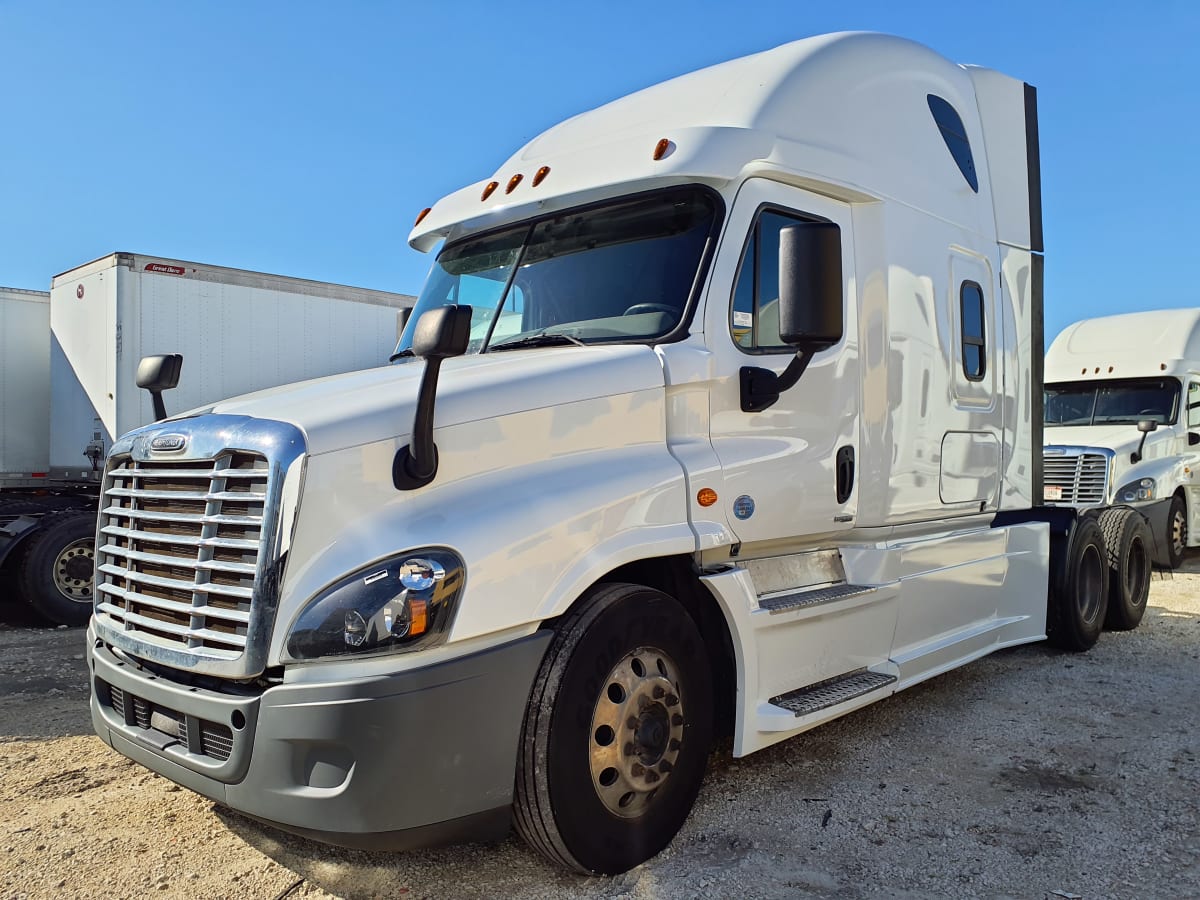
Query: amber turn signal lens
(540, 175)
(421, 215)
(661, 149)
(513, 182)
(487, 191)
(419, 615)
(706, 497)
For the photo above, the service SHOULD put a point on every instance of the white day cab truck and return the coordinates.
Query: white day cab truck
(1122, 412)
(717, 413)
(68, 373)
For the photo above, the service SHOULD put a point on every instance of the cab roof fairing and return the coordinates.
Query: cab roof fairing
(849, 110)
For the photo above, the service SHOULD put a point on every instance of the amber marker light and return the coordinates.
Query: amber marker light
(706, 497)
(540, 175)
(419, 616)
(487, 191)
(662, 148)
(421, 215)
(513, 182)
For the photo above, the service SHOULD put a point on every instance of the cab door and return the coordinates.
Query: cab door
(790, 471)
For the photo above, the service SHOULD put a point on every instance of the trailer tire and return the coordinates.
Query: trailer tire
(56, 571)
(617, 732)
(1128, 539)
(1078, 595)
(1177, 529)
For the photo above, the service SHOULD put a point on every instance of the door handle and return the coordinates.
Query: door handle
(845, 473)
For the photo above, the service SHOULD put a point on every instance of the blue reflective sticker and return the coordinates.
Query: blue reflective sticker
(743, 507)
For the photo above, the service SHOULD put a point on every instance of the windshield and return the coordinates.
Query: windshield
(622, 271)
(1113, 402)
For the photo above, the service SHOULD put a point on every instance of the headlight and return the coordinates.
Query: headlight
(400, 604)
(1142, 489)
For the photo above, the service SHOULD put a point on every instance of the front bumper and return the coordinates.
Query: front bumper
(422, 757)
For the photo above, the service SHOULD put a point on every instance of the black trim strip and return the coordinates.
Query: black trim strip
(1037, 373)
(1033, 165)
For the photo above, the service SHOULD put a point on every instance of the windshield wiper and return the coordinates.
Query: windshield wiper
(401, 354)
(537, 340)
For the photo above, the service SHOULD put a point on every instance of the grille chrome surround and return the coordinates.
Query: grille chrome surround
(191, 543)
(1082, 473)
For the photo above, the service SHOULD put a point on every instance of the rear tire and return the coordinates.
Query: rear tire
(56, 573)
(1079, 579)
(617, 732)
(1128, 539)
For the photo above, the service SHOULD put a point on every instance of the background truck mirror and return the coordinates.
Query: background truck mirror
(810, 285)
(157, 374)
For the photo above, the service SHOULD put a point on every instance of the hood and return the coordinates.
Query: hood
(357, 408)
(1121, 438)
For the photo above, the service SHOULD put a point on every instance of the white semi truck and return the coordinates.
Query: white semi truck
(719, 411)
(67, 384)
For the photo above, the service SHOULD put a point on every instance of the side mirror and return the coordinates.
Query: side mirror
(810, 285)
(440, 334)
(1145, 426)
(157, 374)
(810, 307)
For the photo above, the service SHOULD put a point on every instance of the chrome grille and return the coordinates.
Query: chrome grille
(179, 546)
(1081, 477)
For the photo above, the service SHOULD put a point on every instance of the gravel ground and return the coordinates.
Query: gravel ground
(1031, 773)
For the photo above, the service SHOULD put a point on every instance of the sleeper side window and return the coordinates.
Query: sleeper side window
(974, 347)
(754, 312)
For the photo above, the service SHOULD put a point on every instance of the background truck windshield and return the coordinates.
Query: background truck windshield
(1113, 402)
(623, 271)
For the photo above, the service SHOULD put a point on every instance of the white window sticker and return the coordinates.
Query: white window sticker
(1052, 492)
(743, 319)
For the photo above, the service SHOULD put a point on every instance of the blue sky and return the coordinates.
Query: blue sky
(302, 138)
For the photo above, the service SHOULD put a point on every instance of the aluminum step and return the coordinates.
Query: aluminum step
(802, 599)
(832, 691)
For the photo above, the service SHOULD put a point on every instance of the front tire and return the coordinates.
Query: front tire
(617, 732)
(56, 571)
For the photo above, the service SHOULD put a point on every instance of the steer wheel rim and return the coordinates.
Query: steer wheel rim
(74, 570)
(1179, 532)
(637, 731)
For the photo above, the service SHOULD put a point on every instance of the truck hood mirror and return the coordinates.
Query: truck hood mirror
(1145, 426)
(810, 307)
(440, 333)
(157, 374)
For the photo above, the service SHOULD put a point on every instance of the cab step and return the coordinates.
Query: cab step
(832, 691)
(802, 599)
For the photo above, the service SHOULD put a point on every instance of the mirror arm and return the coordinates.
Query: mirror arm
(416, 463)
(1136, 455)
(160, 408)
(761, 387)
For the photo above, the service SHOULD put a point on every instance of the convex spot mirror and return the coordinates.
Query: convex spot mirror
(810, 285)
(1145, 426)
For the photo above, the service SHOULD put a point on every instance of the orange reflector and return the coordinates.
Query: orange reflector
(1097, 372)
(421, 215)
(487, 191)
(661, 149)
(1110, 368)
(513, 182)
(418, 611)
(540, 175)
(706, 497)
(1083, 371)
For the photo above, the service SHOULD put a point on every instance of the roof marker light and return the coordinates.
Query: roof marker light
(662, 148)
(513, 182)
(1110, 369)
(487, 191)
(540, 175)
(1162, 367)
(421, 215)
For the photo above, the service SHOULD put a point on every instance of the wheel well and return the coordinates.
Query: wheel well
(677, 577)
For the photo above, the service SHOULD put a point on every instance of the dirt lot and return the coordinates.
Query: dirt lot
(1028, 774)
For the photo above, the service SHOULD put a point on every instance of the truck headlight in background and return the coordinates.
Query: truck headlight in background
(1142, 489)
(401, 604)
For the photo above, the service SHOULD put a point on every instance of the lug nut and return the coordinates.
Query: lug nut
(659, 691)
(676, 719)
(651, 776)
(638, 770)
(674, 745)
(665, 767)
(672, 700)
(629, 748)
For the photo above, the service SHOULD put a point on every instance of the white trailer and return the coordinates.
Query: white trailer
(24, 387)
(735, 407)
(238, 331)
(1122, 415)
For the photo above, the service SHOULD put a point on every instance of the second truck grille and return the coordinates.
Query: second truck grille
(179, 546)
(1082, 478)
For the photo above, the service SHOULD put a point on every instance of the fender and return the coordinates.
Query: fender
(16, 532)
